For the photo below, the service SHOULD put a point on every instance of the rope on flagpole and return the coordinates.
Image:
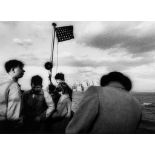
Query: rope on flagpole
(57, 59)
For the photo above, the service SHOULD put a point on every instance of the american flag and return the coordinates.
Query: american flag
(64, 33)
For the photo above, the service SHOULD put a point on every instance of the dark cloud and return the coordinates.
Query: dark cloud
(128, 37)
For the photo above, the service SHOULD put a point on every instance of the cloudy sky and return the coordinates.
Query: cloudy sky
(98, 48)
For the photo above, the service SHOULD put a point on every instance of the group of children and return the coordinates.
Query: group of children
(35, 110)
(46, 111)
(108, 108)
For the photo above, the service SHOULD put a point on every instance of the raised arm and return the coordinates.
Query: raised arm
(50, 104)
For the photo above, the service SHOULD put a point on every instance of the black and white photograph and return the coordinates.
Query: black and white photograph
(77, 77)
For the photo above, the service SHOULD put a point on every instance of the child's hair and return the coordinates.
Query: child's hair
(13, 64)
(60, 76)
(36, 80)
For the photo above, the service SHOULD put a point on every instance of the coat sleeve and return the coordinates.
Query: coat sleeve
(86, 114)
(14, 102)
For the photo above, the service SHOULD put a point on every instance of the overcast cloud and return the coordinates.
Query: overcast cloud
(98, 47)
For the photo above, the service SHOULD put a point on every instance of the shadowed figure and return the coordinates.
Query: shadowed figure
(63, 112)
(37, 107)
(108, 108)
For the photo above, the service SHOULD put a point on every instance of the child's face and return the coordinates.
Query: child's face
(37, 88)
(18, 72)
(58, 81)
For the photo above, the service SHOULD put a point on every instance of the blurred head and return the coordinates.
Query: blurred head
(116, 77)
(36, 83)
(63, 88)
(59, 77)
(15, 68)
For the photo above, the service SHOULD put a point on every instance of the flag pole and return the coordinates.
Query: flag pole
(52, 51)
(63, 33)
